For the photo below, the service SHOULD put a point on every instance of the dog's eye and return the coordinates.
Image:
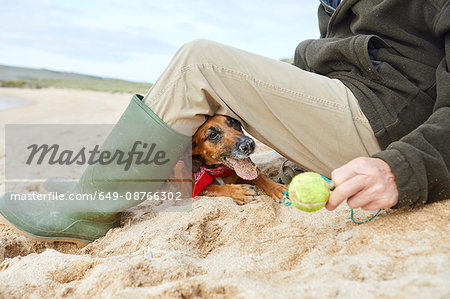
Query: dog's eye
(213, 135)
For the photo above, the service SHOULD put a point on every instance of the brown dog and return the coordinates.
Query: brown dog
(221, 150)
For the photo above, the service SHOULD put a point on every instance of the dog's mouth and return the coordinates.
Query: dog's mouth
(244, 168)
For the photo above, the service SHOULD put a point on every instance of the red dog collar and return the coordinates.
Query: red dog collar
(205, 175)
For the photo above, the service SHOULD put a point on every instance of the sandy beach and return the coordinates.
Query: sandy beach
(220, 249)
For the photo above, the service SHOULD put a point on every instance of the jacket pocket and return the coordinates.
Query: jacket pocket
(364, 49)
(344, 56)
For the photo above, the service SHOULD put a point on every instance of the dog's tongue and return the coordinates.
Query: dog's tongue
(244, 168)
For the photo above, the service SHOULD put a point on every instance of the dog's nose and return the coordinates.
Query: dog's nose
(246, 145)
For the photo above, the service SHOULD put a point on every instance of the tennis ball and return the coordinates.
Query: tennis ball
(309, 191)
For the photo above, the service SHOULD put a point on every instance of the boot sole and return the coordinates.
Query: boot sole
(80, 243)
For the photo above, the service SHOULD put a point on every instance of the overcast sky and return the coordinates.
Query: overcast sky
(135, 39)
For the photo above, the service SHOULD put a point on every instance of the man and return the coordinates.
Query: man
(367, 104)
(386, 58)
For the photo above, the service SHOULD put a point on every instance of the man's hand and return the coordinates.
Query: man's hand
(366, 183)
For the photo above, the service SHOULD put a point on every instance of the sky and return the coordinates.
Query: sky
(135, 39)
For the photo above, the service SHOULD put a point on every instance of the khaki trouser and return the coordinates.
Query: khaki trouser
(310, 119)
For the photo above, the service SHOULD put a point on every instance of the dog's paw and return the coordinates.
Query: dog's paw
(240, 193)
(243, 194)
(277, 192)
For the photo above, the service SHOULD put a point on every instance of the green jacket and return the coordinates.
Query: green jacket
(394, 55)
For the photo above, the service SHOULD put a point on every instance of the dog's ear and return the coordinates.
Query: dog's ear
(196, 163)
(234, 123)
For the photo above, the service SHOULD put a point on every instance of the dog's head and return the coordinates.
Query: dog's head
(220, 140)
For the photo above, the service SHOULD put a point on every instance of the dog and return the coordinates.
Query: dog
(221, 165)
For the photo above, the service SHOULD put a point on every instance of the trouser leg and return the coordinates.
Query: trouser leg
(313, 120)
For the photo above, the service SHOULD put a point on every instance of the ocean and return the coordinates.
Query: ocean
(7, 102)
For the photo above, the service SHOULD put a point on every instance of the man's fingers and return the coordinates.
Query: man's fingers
(360, 200)
(366, 182)
(345, 190)
(341, 174)
(346, 172)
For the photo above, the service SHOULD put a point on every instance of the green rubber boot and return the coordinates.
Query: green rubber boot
(84, 221)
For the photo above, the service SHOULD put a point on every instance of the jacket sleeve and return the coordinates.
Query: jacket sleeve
(420, 160)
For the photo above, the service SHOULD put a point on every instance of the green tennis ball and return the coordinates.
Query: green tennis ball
(309, 191)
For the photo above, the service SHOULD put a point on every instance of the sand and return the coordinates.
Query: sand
(220, 249)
